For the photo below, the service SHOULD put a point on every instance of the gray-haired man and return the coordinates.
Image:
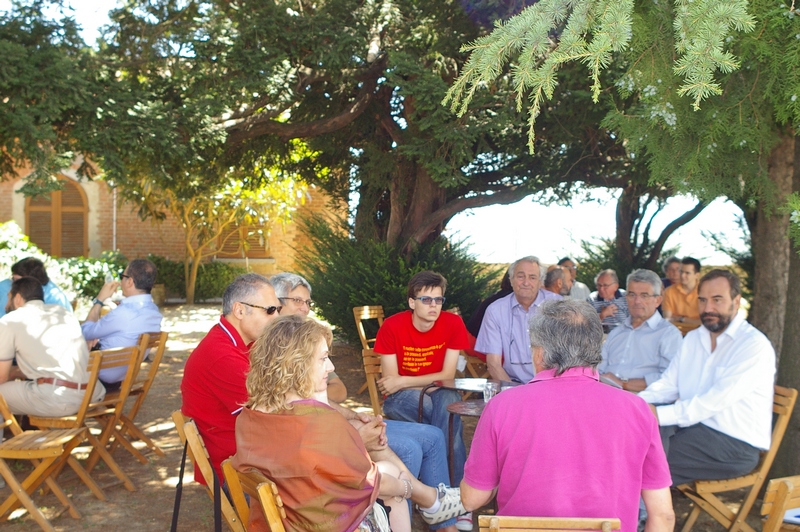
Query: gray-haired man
(637, 352)
(504, 331)
(609, 301)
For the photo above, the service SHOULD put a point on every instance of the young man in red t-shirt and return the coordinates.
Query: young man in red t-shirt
(419, 346)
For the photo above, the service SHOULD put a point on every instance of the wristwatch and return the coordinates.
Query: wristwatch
(98, 302)
(624, 383)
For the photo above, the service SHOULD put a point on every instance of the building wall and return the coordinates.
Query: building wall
(136, 238)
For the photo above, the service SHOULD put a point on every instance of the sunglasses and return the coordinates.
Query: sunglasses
(269, 310)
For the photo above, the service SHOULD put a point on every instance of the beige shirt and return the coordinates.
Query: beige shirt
(47, 341)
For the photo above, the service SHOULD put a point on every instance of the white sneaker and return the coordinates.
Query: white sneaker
(464, 522)
(449, 506)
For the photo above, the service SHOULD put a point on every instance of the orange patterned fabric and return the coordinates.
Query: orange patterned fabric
(324, 475)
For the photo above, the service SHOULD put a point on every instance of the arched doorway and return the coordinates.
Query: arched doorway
(57, 223)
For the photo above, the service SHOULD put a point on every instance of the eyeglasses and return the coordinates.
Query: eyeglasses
(269, 310)
(606, 285)
(123, 276)
(643, 297)
(297, 301)
(427, 300)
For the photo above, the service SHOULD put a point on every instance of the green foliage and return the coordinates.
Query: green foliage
(212, 277)
(794, 219)
(601, 254)
(551, 33)
(347, 273)
(741, 256)
(78, 276)
(88, 275)
(45, 90)
(170, 274)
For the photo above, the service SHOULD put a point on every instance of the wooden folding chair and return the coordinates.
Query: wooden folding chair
(188, 432)
(702, 492)
(494, 523)
(782, 494)
(361, 314)
(49, 450)
(372, 369)
(106, 412)
(155, 344)
(254, 484)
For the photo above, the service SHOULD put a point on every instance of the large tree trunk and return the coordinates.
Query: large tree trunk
(771, 247)
(788, 460)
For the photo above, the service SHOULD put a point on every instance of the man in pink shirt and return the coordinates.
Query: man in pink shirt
(566, 445)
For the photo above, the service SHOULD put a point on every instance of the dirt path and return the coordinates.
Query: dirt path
(149, 508)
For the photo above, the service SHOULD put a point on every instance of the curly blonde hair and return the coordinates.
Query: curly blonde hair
(281, 361)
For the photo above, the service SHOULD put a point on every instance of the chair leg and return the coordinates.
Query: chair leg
(687, 526)
(128, 446)
(87, 480)
(20, 496)
(110, 461)
(739, 523)
(20, 491)
(105, 435)
(714, 507)
(129, 426)
(59, 493)
(362, 389)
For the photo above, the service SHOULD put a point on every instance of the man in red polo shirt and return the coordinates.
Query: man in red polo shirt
(213, 385)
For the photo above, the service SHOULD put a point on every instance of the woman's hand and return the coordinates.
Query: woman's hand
(372, 431)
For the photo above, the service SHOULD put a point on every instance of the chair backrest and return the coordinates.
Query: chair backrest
(119, 357)
(188, 433)
(115, 401)
(93, 368)
(254, 484)
(782, 405)
(782, 494)
(373, 312)
(8, 419)
(154, 343)
(493, 523)
(372, 369)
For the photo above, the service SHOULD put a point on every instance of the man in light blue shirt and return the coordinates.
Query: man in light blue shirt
(504, 331)
(33, 267)
(136, 314)
(636, 353)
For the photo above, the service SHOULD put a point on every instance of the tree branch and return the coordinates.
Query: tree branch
(258, 126)
(451, 208)
(673, 226)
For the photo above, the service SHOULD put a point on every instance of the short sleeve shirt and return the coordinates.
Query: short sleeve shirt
(568, 446)
(682, 303)
(47, 342)
(420, 353)
(214, 389)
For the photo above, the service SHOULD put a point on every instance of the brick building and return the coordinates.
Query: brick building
(87, 218)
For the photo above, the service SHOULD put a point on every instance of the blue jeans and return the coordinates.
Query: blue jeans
(422, 449)
(404, 406)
